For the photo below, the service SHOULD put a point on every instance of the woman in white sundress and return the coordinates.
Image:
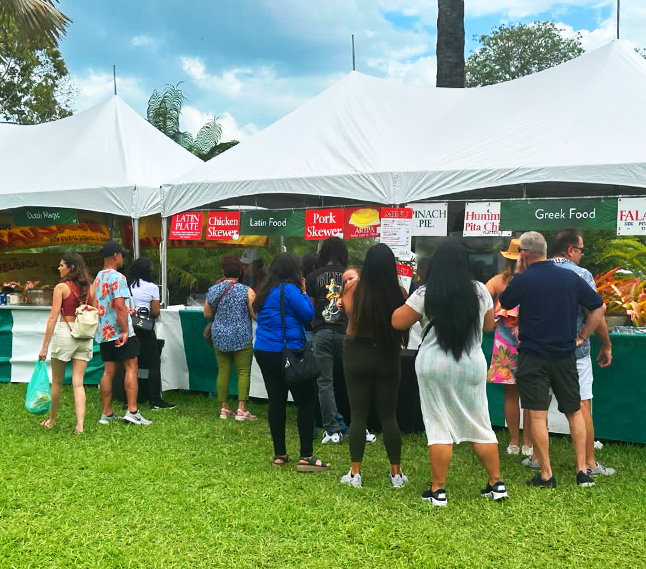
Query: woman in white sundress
(451, 367)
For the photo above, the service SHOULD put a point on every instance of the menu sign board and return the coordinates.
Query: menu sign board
(187, 226)
(323, 223)
(482, 219)
(361, 222)
(223, 225)
(273, 222)
(405, 273)
(631, 216)
(396, 227)
(430, 219)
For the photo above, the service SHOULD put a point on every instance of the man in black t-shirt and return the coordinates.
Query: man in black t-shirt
(324, 287)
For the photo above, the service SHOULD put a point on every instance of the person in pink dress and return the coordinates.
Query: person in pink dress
(505, 354)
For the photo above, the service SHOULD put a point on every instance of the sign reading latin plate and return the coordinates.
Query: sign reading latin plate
(430, 219)
(631, 216)
(482, 219)
(187, 226)
(536, 215)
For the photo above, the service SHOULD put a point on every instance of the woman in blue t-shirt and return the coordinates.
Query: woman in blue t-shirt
(285, 271)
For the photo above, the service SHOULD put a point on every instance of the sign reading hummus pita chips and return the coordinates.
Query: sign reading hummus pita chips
(362, 222)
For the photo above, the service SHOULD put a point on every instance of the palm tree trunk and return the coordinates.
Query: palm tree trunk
(450, 43)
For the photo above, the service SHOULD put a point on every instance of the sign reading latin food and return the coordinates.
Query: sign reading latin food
(223, 225)
(187, 226)
(323, 223)
(361, 222)
(273, 222)
(482, 219)
(631, 216)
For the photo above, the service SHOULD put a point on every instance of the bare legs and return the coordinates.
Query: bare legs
(512, 417)
(586, 411)
(58, 375)
(440, 456)
(487, 453)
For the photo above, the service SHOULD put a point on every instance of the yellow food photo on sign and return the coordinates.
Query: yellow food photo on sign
(365, 217)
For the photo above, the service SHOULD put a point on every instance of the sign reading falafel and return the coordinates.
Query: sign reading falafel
(361, 222)
(396, 225)
(430, 219)
(323, 223)
(525, 215)
(273, 222)
(223, 225)
(631, 216)
(187, 226)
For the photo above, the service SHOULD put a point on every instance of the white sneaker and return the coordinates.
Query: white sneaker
(370, 438)
(333, 439)
(598, 445)
(107, 419)
(399, 480)
(136, 418)
(354, 481)
(527, 451)
(513, 449)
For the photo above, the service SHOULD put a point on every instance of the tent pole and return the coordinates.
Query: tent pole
(618, 16)
(354, 67)
(163, 261)
(135, 237)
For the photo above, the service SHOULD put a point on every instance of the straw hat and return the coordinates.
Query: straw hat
(512, 252)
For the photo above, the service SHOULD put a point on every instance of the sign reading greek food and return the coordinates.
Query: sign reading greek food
(396, 227)
(535, 215)
(482, 219)
(323, 223)
(361, 222)
(273, 222)
(405, 273)
(187, 226)
(223, 225)
(44, 216)
(430, 219)
(631, 216)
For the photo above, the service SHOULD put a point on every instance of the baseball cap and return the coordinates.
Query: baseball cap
(109, 248)
(249, 256)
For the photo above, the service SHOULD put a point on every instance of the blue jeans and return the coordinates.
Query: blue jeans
(328, 350)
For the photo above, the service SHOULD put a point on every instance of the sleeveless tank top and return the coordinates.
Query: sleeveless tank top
(71, 303)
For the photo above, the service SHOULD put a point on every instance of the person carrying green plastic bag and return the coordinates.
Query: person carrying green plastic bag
(39, 396)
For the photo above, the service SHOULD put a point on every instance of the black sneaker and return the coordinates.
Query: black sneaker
(538, 482)
(496, 492)
(584, 480)
(437, 498)
(162, 405)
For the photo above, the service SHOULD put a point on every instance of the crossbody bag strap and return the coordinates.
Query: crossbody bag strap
(282, 311)
(224, 293)
(428, 329)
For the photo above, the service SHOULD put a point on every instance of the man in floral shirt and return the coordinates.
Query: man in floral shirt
(115, 334)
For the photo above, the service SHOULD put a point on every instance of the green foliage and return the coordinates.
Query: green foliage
(218, 149)
(516, 50)
(37, 21)
(164, 111)
(34, 80)
(626, 252)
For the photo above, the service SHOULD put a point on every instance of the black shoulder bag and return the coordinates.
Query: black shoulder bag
(299, 366)
(141, 320)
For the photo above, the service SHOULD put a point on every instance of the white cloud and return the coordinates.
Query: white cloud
(94, 88)
(145, 41)
(419, 72)
(193, 120)
(515, 9)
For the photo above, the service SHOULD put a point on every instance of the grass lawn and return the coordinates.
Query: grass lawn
(194, 491)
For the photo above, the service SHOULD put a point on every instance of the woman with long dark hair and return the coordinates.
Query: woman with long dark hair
(371, 358)
(451, 367)
(145, 294)
(285, 274)
(73, 290)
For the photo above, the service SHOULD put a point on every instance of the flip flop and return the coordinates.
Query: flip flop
(310, 464)
(46, 424)
(285, 459)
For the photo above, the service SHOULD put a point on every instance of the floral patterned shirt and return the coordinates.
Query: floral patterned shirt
(110, 285)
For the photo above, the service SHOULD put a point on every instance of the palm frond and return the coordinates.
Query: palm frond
(208, 136)
(37, 20)
(181, 277)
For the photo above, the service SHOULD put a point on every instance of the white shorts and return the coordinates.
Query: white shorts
(584, 367)
(66, 347)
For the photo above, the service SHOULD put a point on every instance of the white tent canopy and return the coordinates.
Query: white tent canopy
(106, 159)
(376, 140)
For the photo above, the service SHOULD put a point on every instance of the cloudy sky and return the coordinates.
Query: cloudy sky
(250, 62)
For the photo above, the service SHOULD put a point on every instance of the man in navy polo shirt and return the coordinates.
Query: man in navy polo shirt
(549, 299)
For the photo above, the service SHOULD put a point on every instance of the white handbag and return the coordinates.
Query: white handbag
(86, 319)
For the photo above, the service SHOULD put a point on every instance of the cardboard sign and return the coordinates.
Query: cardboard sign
(405, 273)
(482, 219)
(273, 222)
(187, 226)
(396, 229)
(323, 223)
(223, 225)
(631, 216)
(430, 219)
(538, 215)
(361, 222)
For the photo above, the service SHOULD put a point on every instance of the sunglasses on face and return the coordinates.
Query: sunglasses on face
(583, 250)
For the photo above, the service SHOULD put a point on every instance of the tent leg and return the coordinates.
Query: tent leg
(135, 237)
(163, 261)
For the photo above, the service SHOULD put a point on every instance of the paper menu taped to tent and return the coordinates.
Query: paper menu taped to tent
(631, 216)
(396, 229)
(430, 219)
(482, 219)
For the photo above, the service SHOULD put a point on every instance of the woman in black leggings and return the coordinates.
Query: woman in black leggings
(371, 358)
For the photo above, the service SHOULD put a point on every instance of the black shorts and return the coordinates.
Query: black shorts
(536, 375)
(110, 352)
